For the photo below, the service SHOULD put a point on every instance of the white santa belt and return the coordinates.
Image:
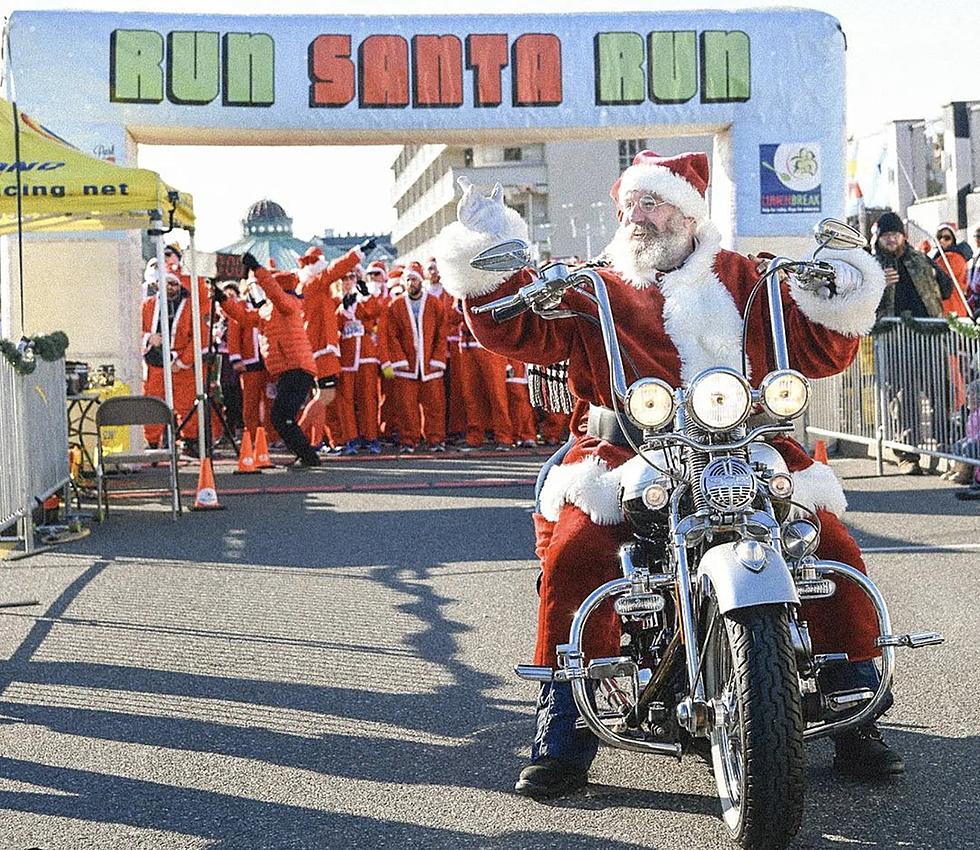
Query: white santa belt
(594, 489)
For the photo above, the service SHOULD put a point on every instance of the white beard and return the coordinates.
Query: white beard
(649, 253)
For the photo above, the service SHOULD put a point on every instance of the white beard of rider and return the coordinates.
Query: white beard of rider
(650, 248)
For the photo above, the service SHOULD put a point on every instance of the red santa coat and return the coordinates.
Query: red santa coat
(672, 326)
(182, 358)
(360, 341)
(417, 350)
(242, 340)
(282, 335)
(320, 311)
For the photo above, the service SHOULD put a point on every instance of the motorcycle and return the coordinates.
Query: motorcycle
(715, 655)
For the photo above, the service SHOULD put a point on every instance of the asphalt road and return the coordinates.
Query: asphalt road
(331, 669)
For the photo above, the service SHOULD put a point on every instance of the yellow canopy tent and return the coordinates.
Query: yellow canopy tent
(48, 185)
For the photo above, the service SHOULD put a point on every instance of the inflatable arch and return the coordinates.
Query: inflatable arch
(767, 84)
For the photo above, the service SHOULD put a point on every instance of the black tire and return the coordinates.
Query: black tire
(757, 754)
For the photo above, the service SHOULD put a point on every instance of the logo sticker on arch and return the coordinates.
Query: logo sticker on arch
(789, 178)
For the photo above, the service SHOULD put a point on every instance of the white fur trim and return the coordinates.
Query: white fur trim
(457, 245)
(851, 313)
(700, 314)
(817, 486)
(647, 177)
(590, 485)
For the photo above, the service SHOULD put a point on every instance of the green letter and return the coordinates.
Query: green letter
(135, 75)
(619, 68)
(249, 70)
(673, 66)
(725, 68)
(192, 67)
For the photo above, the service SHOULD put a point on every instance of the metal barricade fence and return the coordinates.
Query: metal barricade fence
(11, 451)
(913, 387)
(33, 442)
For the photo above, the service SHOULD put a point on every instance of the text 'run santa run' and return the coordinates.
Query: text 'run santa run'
(387, 71)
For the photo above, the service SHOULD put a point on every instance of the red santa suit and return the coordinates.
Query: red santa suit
(484, 388)
(453, 379)
(360, 358)
(519, 403)
(317, 277)
(181, 358)
(243, 350)
(673, 325)
(417, 349)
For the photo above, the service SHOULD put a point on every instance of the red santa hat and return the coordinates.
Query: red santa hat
(396, 271)
(680, 180)
(379, 267)
(310, 256)
(414, 270)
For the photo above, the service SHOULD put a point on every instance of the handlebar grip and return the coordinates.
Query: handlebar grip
(509, 311)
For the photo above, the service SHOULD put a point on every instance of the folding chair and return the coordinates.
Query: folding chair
(136, 410)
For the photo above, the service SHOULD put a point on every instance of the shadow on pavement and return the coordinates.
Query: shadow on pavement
(235, 823)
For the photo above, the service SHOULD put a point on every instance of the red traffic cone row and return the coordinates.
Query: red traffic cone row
(207, 495)
(262, 450)
(820, 452)
(246, 457)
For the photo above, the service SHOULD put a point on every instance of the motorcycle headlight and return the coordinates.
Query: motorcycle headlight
(785, 394)
(719, 399)
(650, 403)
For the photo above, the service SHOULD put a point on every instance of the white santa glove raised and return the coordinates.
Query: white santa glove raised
(482, 213)
(846, 279)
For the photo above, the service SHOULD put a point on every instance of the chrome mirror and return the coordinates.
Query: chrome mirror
(506, 257)
(831, 233)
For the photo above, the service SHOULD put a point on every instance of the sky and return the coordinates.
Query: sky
(903, 61)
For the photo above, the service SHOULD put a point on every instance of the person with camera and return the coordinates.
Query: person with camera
(285, 348)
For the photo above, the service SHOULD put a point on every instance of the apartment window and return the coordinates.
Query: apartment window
(513, 154)
(519, 208)
(468, 157)
(628, 148)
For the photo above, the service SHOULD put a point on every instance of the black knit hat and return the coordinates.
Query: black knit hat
(890, 223)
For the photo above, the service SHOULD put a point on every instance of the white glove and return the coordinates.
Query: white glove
(846, 279)
(484, 214)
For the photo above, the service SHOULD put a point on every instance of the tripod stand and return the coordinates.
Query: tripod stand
(210, 405)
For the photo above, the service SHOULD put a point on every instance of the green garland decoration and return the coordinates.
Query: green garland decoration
(24, 357)
(953, 323)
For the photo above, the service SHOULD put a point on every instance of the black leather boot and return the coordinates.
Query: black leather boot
(862, 753)
(548, 777)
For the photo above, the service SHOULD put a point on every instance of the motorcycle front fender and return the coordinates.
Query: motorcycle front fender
(748, 573)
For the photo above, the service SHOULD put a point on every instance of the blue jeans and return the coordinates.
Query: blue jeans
(857, 674)
(555, 735)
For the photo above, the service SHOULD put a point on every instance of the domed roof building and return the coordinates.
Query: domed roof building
(267, 233)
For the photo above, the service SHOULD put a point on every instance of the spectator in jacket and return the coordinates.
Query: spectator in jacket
(915, 285)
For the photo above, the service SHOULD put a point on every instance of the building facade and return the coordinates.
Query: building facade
(561, 189)
(926, 170)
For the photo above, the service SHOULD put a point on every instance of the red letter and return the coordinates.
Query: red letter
(438, 70)
(331, 71)
(537, 70)
(383, 71)
(486, 55)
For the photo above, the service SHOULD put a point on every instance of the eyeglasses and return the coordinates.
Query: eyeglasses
(646, 204)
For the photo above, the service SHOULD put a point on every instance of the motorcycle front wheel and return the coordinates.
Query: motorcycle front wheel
(757, 739)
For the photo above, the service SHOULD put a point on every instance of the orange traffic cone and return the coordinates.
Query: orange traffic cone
(246, 457)
(207, 496)
(820, 452)
(262, 450)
